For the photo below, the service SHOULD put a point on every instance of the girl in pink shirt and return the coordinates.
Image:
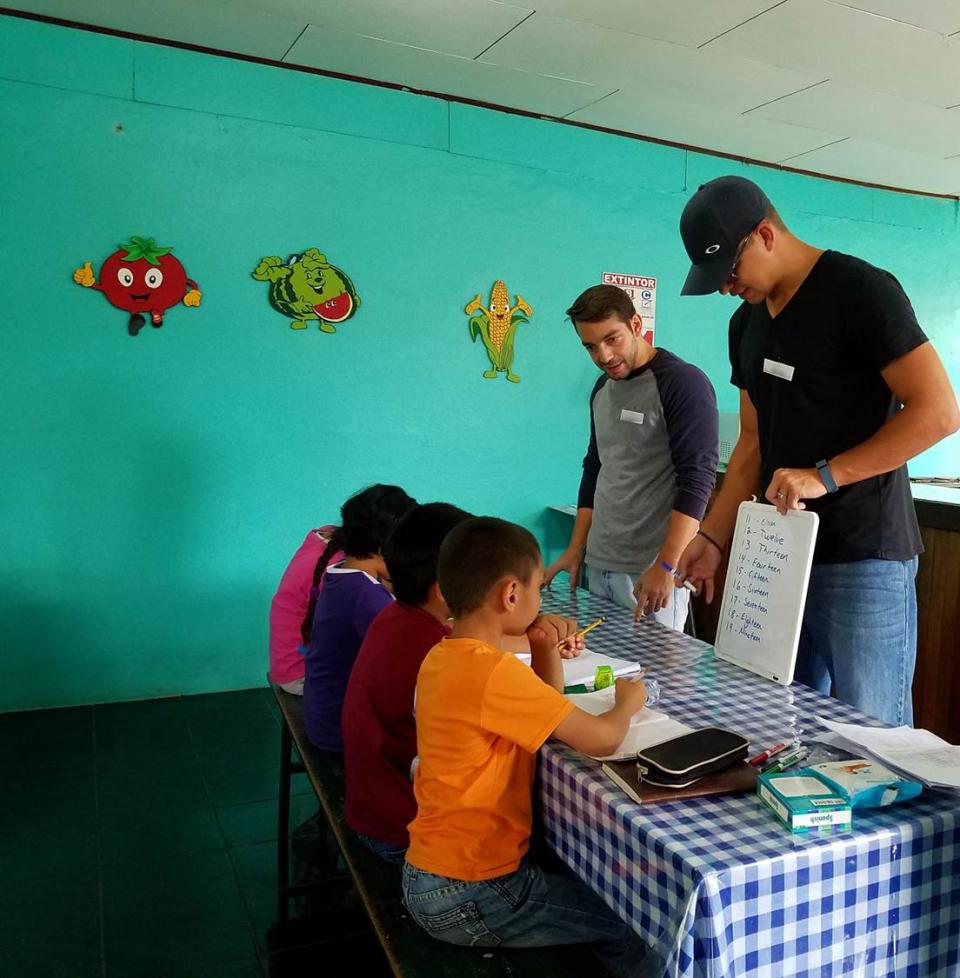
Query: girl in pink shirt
(296, 591)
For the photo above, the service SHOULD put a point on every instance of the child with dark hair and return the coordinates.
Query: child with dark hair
(379, 733)
(296, 591)
(481, 718)
(352, 595)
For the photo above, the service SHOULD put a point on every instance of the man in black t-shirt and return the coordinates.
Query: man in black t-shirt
(839, 387)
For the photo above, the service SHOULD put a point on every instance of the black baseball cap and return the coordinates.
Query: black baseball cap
(714, 222)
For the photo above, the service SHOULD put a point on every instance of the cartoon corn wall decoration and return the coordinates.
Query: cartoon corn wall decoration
(497, 326)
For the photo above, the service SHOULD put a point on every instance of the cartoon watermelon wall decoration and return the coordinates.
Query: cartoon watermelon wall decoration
(307, 287)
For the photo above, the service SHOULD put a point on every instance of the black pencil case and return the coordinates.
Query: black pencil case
(683, 760)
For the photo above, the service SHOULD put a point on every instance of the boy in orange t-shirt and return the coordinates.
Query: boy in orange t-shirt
(482, 715)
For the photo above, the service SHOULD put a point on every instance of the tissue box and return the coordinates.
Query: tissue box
(867, 784)
(803, 801)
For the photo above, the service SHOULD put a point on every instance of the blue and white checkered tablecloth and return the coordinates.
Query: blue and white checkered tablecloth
(718, 885)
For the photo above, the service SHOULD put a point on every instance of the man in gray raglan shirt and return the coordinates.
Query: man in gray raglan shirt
(650, 466)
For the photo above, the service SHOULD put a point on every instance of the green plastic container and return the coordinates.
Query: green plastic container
(603, 677)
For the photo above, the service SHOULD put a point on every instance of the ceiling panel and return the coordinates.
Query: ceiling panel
(463, 28)
(848, 45)
(208, 24)
(862, 160)
(557, 46)
(419, 68)
(729, 132)
(942, 16)
(871, 116)
(867, 76)
(689, 22)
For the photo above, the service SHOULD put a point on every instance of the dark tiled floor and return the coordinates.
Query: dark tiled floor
(137, 840)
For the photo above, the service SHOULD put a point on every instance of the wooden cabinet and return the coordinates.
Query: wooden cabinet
(936, 682)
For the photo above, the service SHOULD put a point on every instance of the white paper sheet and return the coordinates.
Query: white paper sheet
(583, 668)
(919, 754)
(601, 700)
(647, 727)
(646, 735)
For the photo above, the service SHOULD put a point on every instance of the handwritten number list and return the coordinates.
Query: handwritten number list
(758, 566)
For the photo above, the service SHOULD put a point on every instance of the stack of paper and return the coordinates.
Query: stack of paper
(916, 754)
(648, 727)
(582, 669)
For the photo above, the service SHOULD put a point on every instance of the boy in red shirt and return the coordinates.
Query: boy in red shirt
(379, 734)
(481, 718)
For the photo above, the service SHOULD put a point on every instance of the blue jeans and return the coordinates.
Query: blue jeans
(386, 851)
(860, 631)
(618, 587)
(526, 908)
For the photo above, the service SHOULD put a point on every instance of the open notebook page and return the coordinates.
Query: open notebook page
(647, 727)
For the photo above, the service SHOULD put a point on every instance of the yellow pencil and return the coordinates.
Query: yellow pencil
(583, 631)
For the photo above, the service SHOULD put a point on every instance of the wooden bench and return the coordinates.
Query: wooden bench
(409, 951)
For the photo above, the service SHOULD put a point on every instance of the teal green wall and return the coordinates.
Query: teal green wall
(154, 488)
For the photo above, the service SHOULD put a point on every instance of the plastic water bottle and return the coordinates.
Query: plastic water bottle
(653, 691)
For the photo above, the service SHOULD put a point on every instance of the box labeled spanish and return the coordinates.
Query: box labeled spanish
(803, 801)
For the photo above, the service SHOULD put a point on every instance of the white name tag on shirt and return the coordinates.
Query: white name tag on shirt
(777, 369)
(634, 417)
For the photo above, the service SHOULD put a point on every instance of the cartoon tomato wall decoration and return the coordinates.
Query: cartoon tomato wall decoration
(142, 279)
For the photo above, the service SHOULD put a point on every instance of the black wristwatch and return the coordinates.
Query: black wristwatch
(823, 467)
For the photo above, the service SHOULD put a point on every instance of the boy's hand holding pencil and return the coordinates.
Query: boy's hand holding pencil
(569, 649)
(549, 632)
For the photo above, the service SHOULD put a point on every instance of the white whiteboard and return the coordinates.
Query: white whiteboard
(766, 590)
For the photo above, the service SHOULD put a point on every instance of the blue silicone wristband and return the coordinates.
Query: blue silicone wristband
(823, 467)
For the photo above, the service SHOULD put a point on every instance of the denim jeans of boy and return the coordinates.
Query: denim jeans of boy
(388, 852)
(618, 587)
(526, 908)
(860, 631)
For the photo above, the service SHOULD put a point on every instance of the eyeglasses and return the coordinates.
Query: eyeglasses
(741, 248)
